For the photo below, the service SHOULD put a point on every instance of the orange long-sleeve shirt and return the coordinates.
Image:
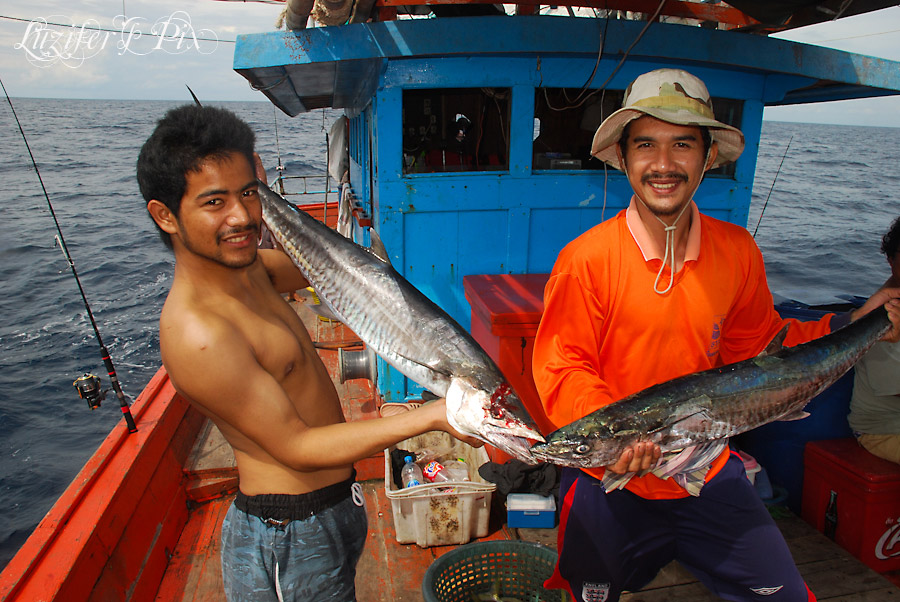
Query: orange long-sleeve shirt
(605, 333)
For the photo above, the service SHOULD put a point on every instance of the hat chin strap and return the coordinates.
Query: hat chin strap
(670, 232)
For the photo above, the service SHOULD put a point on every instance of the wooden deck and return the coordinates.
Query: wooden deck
(393, 572)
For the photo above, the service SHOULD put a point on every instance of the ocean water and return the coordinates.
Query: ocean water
(86, 153)
(830, 206)
(820, 232)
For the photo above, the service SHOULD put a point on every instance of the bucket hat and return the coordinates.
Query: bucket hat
(670, 95)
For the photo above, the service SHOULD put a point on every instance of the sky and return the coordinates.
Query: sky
(110, 65)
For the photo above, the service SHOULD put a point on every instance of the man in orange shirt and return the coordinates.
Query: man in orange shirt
(655, 293)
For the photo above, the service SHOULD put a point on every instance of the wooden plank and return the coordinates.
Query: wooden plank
(144, 524)
(65, 555)
(388, 570)
(203, 490)
(194, 572)
(211, 456)
(837, 578)
(673, 8)
(158, 557)
(209, 584)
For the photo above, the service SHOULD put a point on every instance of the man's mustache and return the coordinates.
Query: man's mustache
(251, 228)
(668, 176)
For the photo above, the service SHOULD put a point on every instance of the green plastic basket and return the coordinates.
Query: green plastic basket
(517, 568)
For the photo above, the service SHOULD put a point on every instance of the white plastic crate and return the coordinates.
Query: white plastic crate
(438, 514)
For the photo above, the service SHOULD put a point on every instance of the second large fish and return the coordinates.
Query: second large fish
(707, 406)
(404, 327)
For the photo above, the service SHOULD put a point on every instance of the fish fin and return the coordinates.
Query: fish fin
(696, 421)
(688, 467)
(612, 481)
(434, 369)
(767, 361)
(689, 459)
(798, 415)
(777, 342)
(378, 248)
(693, 481)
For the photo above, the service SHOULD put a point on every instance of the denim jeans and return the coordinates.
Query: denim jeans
(307, 560)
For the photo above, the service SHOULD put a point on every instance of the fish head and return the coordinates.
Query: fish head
(580, 445)
(497, 417)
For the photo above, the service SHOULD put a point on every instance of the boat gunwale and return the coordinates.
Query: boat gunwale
(119, 447)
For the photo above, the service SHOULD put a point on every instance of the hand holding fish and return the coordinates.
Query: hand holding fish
(260, 169)
(404, 327)
(638, 457)
(890, 299)
(436, 411)
(698, 412)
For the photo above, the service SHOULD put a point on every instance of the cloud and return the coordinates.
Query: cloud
(161, 73)
(873, 34)
(81, 62)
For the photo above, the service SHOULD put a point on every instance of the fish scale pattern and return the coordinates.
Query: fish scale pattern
(397, 321)
(717, 403)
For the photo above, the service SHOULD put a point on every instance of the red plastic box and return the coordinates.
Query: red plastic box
(867, 500)
(506, 311)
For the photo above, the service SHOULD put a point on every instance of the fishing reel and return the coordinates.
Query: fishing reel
(89, 390)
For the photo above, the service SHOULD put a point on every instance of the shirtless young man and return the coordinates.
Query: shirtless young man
(237, 351)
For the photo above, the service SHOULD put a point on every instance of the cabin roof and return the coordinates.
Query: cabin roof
(340, 66)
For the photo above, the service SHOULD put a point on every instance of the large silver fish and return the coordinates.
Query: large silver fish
(701, 408)
(404, 327)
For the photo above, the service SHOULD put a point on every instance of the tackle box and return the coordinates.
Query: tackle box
(439, 514)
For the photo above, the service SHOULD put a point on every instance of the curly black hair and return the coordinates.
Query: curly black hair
(890, 244)
(183, 139)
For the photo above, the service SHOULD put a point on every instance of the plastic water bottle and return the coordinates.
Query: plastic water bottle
(411, 474)
(457, 470)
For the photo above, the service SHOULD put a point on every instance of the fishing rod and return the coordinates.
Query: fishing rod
(88, 385)
(771, 188)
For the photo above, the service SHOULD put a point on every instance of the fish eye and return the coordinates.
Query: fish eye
(582, 448)
(497, 413)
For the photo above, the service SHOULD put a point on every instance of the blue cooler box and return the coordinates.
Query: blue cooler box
(530, 511)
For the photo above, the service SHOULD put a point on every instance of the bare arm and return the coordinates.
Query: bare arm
(282, 272)
(215, 367)
(890, 299)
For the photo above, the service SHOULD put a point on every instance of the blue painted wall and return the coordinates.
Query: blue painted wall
(440, 227)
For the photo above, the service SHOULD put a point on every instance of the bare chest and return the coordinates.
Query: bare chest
(283, 348)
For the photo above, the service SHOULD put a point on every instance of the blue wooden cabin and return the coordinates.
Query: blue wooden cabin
(469, 136)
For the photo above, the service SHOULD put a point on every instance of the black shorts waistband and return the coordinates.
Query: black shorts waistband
(287, 507)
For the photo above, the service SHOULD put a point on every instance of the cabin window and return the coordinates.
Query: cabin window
(456, 129)
(567, 118)
(728, 111)
(565, 122)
